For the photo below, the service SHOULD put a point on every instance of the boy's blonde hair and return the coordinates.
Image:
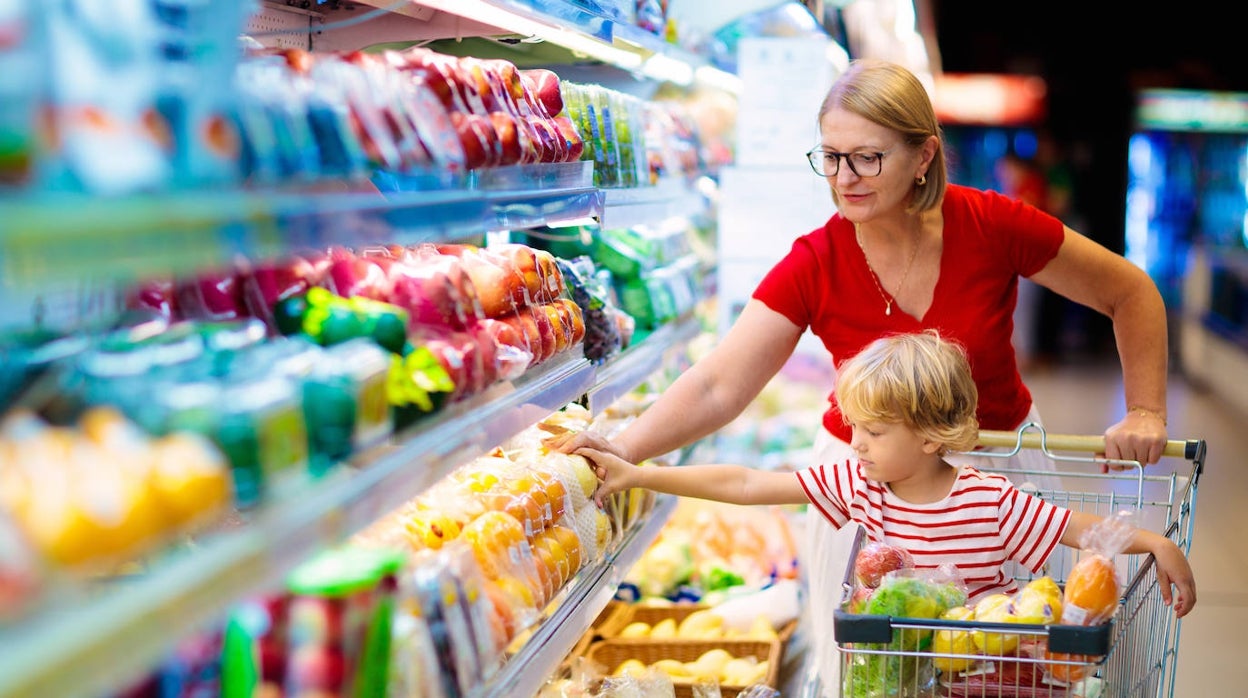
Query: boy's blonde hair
(920, 380)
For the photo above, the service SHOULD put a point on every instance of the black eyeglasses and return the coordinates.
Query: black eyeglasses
(827, 163)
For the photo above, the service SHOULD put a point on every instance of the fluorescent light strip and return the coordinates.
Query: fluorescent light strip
(486, 13)
(718, 79)
(661, 67)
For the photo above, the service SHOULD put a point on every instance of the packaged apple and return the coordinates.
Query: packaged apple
(435, 289)
(268, 282)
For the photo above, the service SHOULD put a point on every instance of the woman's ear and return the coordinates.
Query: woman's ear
(929, 153)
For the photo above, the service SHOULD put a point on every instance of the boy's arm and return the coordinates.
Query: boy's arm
(1173, 567)
(734, 484)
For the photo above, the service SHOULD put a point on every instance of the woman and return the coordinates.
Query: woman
(907, 251)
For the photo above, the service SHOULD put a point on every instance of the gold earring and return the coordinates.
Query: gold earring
(922, 179)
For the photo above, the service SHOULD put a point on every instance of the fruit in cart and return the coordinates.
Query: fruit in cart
(1039, 602)
(995, 608)
(954, 642)
(875, 559)
(1061, 670)
(1091, 594)
(761, 629)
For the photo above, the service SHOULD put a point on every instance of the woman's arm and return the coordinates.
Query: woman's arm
(1092, 275)
(712, 393)
(734, 484)
(1173, 568)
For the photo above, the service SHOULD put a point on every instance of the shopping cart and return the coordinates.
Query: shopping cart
(1132, 654)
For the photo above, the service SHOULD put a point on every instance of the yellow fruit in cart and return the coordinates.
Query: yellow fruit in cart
(995, 608)
(636, 630)
(954, 642)
(665, 629)
(630, 667)
(1039, 602)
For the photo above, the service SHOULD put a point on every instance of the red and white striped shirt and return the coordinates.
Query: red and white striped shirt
(984, 522)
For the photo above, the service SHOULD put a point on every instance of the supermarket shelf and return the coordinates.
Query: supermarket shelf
(85, 647)
(50, 238)
(638, 363)
(650, 205)
(578, 31)
(592, 589)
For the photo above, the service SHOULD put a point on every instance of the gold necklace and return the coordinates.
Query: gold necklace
(875, 278)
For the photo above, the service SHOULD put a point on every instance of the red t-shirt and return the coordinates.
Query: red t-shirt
(824, 284)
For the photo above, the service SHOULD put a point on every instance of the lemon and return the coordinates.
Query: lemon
(954, 642)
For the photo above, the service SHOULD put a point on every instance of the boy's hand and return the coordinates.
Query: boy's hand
(1174, 569)
(614, 473)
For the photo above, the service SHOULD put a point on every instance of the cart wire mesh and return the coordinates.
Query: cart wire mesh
(1133, 654)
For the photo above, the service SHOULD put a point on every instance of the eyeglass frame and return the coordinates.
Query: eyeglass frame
(838, 155)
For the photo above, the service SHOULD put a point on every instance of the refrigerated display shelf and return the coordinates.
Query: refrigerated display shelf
(82, 644)
(53, 238)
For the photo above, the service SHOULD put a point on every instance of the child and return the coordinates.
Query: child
(909, 400)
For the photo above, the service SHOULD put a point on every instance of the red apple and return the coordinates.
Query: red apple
(572, 138)
(513, 141)
(213, 295)
(875, 560)
(545, 85)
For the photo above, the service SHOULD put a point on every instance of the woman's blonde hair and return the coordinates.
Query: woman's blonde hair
(918, 379)
(890, 95)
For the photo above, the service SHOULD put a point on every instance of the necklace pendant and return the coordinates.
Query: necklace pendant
(888, 308)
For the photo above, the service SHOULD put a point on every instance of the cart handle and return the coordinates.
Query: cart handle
(1069, 442)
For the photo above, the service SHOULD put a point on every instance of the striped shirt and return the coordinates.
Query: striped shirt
(983, 523)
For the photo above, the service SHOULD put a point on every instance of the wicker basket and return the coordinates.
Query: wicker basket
(641, 613)
(611, 653)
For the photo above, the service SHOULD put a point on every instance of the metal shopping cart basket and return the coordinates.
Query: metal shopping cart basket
(1132, 654)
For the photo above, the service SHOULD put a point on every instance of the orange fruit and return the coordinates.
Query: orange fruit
(1091, 593)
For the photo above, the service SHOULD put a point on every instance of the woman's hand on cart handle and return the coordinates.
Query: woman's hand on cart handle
(1140, 436)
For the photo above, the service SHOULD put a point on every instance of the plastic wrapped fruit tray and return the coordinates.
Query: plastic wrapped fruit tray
(611, 653)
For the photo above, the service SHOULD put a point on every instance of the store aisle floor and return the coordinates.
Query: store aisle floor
(1083, 399)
